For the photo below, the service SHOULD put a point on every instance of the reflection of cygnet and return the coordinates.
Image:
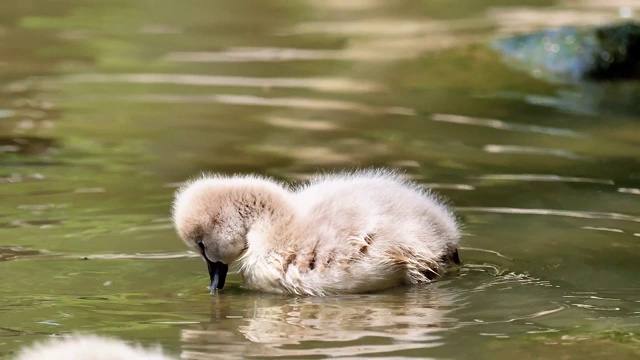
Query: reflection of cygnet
(342, 233)
(333, 326)
(405, 318)
(88, 347)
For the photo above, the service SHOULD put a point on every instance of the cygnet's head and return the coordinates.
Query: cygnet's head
(213, 215)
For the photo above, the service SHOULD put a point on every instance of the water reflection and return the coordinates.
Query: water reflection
(251, 100)
(26, 145)
(18, 178)
(466, 248)
(301, 124)
(552, 212)
(254, 54)
(395, 39)
(532, 150)
(354, 325)
(16, 252)
(587, 12)
(504, 125)
(629, 191)
(544, 178)
(319, 84)
(595, 228)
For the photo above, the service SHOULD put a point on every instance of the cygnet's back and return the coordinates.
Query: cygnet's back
(373, 229)
(382, 199)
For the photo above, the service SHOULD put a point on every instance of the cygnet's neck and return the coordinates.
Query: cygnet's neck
(271, 217)
(266, 207)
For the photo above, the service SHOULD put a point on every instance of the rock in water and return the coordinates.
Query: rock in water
(571, 54)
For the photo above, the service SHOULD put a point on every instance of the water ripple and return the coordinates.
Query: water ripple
(602, 229)
(535, 315)
(593, 307)
(294, 103)
(254, 54)
(43, 224)
(465, 248)
(6, 113)
(564, 213)
(503, 125)
(301, 124)
(629, 191)
(590, 297)
(544, 177)
(449, 186)
(16, 252)
(319, 84)
(17, 178)
(388, 27)
(512, 278)
(530, 150)
(153, 256)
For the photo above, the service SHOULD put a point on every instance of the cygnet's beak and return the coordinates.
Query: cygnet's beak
(217, 270)
(217, 273)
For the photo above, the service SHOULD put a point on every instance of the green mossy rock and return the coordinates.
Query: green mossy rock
(571, 54)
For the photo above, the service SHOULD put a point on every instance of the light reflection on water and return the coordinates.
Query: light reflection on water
(567, 213)
(544, 177)
(108, 109)
(319, 84)
(503, 125)
(349, 325)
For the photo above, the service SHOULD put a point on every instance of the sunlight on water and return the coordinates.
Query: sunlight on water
(295, 103)
(629, 191)
(321, 84)
(567, 213)
(498, 124)
(302, 124)
(236, 55)
(543, 177)
(516, 149)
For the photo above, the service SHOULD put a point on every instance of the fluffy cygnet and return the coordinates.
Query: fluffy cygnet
(339, 233)
(88, 347)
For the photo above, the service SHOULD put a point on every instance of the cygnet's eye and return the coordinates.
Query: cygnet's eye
(201, 246)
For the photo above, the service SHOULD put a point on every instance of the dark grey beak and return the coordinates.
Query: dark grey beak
(217, 270)
(217, 274)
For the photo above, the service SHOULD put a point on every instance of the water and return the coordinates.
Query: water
(107, 107)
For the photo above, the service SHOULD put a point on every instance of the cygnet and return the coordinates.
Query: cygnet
(88, 347)
(339, 233)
